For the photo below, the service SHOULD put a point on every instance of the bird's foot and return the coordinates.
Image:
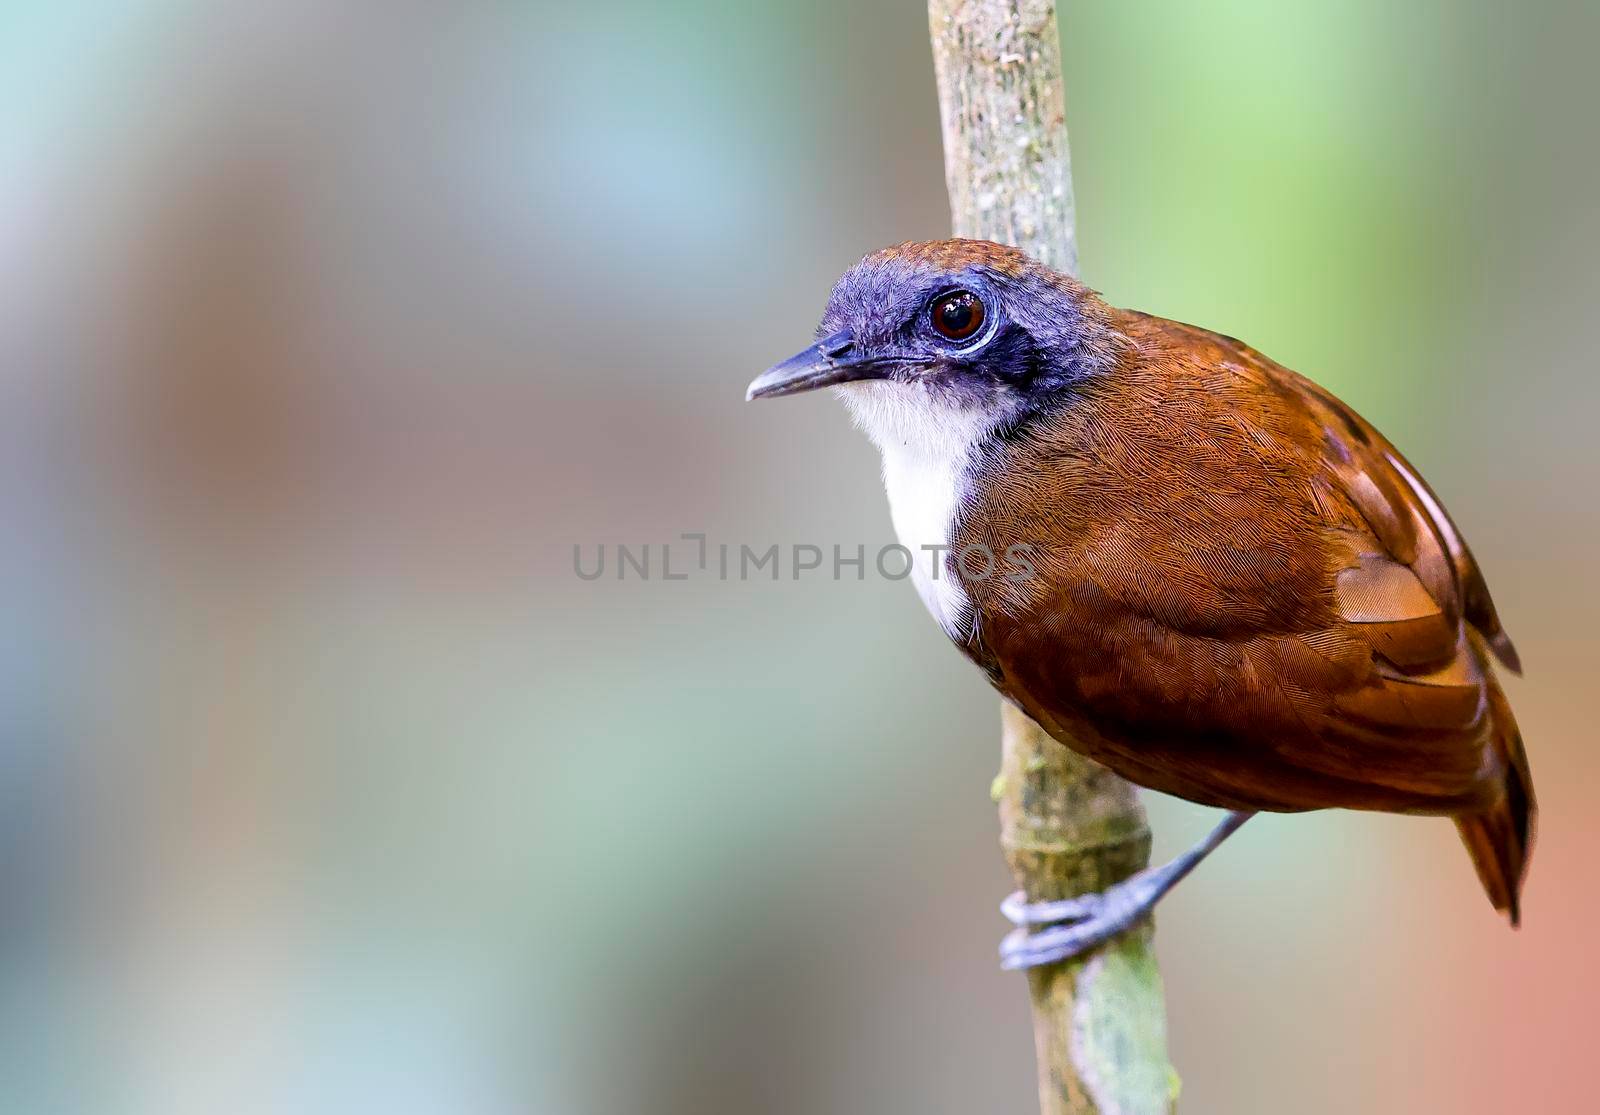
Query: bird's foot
(1075, 925)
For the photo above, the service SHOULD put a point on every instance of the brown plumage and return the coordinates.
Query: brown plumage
(1248, 598)
(1241, 593)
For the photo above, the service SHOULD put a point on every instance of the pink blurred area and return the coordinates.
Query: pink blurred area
(329, 331)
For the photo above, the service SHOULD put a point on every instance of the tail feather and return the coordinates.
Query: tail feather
(1500, 839)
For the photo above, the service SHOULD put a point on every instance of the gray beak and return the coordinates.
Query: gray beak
(823, 364)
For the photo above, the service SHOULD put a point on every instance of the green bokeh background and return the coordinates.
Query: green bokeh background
(330, 330)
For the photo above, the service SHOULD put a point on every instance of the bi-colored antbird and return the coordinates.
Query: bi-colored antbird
(1229, 586)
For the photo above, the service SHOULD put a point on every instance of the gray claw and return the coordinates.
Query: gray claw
(1021, 949)
(1078, 924)
(1019, 911)
(1074, 925)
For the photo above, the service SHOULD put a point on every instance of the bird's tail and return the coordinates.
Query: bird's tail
(1500, 839)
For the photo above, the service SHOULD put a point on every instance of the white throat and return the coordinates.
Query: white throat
(927, 446)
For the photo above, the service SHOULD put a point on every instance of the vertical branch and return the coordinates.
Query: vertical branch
(1004, 113)
(1068, 826)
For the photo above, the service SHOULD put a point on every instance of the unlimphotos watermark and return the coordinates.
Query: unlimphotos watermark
(729, 561)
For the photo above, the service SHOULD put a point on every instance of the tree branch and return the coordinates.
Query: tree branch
(1068, 826)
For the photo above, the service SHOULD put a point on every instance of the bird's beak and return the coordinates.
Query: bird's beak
(827, 362)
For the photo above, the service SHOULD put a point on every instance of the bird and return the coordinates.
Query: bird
(1179, 557)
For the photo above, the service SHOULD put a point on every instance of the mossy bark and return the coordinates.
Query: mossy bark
(1003, 108)
(1068, 825)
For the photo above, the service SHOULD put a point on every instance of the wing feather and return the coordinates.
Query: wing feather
(1250, 599)
(1257, 604)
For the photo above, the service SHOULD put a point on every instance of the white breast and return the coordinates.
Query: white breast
(923, 495)
(926, 448)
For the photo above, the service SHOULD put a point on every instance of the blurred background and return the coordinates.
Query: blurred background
(328, 331)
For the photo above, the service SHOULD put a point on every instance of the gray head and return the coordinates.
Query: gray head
(955, 332)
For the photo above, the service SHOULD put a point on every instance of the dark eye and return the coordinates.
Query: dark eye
(957, 315)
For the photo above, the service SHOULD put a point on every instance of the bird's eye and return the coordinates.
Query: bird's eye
(957, 315)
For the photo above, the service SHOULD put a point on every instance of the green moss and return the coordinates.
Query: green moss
(1120, 1031)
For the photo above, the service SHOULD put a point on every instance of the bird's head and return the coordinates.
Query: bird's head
(949, 333)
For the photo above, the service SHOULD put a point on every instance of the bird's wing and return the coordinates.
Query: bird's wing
(1419, 716)
(1274, 611)
(1430, 669)
(1395, 499)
